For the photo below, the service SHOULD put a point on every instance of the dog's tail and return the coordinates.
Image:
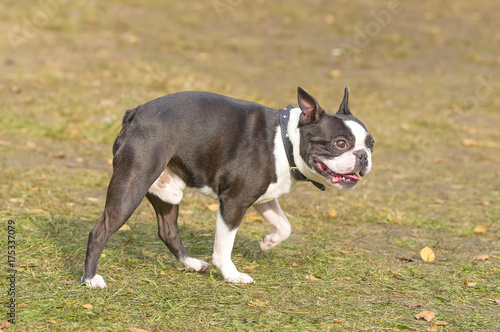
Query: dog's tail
(127, 119)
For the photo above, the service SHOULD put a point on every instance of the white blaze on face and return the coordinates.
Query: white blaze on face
(346, 162)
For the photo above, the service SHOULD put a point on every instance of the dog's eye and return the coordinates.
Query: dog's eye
(341, 144)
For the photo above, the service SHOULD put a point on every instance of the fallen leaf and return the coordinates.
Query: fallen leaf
(213, 207)
(480, 229)
(485, 203)
(135, 329)
(335, 73)
(418, 305)
(337, 321)
(38, 211)
(163, 273)
(253, 218)
(92, 199)
(125, 228)
(440, 323)
(250, 267)
(426, 315)
(481, 257)
(405, 126)
(432, 328)
(295, 265)
(311, 277)
(51, 321)
(87, 306)
(472, 284)
(469, 142)
(496, 301)
(258, 303)
(427, 255)
(59, 155)
(239, 254)
(464, 281)
(332, 213)
(4, 326)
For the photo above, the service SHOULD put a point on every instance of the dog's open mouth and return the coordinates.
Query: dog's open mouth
(343, 179)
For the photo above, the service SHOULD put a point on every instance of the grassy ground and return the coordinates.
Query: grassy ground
(424, 78)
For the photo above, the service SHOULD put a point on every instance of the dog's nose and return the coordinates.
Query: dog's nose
(362, 157)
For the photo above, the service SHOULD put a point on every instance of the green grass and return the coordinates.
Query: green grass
(65, 89)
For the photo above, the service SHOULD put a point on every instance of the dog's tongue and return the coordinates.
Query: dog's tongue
(337, 177)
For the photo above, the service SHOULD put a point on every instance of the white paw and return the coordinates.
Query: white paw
(239, 278)
(96, 282)
(194, 265)
(269, 242)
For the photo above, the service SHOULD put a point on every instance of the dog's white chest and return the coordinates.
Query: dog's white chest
(284, 183)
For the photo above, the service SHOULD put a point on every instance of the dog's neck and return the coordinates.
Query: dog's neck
(289, 118)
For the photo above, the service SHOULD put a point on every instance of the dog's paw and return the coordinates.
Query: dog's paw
(194, 265)
(96, 282)
(269, 242)
(240, 278)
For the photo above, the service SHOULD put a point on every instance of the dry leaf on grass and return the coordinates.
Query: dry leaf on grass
(466, 283)
(87, 306)
(250, 267)
(125, 228)
(432, 328)
(51, 321)
(426, 315)
(311, 277)
(213, 207)
(37, 211)
(332, 213)
(335, 73)
(469, 142)
(480, 229)
(4, 325)
(258, 303)
(440, 323)
(427, 255)
(253, 218)
(418, 305)
(295, 265)
(481, 257)
(337, 321)
(135, 329)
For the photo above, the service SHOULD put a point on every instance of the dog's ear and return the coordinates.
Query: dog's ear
(344, 106)
(311, 111)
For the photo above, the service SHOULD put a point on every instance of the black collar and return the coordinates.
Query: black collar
(294, 171)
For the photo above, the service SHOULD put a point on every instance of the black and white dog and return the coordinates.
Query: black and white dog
(239, 152)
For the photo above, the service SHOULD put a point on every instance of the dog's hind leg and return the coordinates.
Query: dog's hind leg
(168, 232)
(271, 211)
(133, 175)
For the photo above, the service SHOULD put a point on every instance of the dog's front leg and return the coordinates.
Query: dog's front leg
(271, 211)
(225, 232)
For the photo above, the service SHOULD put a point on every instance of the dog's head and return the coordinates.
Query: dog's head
(334, 148)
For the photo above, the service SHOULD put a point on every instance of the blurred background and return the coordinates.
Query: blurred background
(423, 76)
